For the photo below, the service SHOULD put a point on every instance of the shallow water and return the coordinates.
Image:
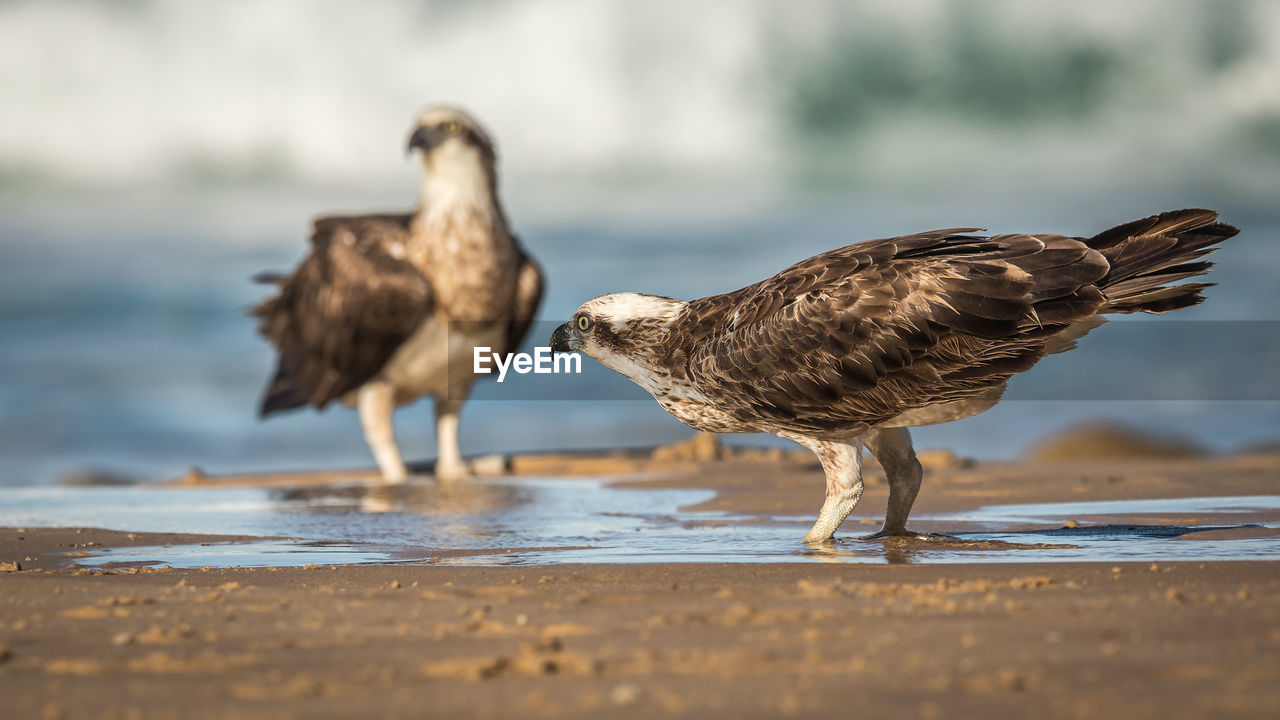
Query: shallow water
(530, 521)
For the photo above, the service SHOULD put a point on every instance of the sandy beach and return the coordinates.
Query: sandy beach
(792, 639)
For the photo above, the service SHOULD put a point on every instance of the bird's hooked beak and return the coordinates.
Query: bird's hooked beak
(423, 138)
(562, 338)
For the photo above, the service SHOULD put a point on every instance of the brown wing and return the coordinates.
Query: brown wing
(340, 316)
(528, 296)
(858, 335)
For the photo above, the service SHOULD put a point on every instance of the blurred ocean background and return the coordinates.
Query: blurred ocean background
(154, 155)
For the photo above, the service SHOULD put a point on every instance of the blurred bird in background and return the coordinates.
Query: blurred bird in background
(388, 308)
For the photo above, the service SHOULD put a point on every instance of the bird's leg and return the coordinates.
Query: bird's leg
(449, 462)
(842, 464)
(376, 403)
(892, 449)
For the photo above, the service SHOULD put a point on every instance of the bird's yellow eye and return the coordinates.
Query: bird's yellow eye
(453, 127)
(584, 323)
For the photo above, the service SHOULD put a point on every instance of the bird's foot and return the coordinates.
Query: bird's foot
(452, 472)
(819, 539)
(395, 476)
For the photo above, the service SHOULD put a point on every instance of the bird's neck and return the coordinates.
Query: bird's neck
(457, 181)
(458, 213)
(446, 195)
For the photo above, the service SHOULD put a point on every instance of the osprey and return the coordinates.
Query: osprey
(851, 347)
(387, 308)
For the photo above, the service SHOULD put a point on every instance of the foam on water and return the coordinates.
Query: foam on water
(191, 92)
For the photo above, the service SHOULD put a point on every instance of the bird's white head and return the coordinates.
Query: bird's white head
(456, 151)
(627, 332)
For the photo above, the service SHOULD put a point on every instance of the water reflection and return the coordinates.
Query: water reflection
(438, 499)
(533, 521)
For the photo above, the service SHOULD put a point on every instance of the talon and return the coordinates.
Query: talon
(395, 478)
(452, 473)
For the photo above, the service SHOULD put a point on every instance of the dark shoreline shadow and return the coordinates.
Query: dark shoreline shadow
(915, 549)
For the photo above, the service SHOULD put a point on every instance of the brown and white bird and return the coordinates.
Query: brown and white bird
(851, 347)
(387, 308)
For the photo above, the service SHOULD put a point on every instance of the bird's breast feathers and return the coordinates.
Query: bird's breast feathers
(472, 264)
(688, 404)
(439, 356)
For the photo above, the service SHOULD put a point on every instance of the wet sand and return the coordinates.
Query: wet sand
(1078, 640)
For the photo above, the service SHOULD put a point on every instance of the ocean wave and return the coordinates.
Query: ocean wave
(102, 94)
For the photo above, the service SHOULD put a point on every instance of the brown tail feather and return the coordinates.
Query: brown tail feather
(1148, 255)
(280, 395)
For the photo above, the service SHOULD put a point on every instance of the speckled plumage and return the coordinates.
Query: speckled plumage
(848, 347)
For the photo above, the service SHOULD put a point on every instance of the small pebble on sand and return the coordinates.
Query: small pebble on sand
(624, 694)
